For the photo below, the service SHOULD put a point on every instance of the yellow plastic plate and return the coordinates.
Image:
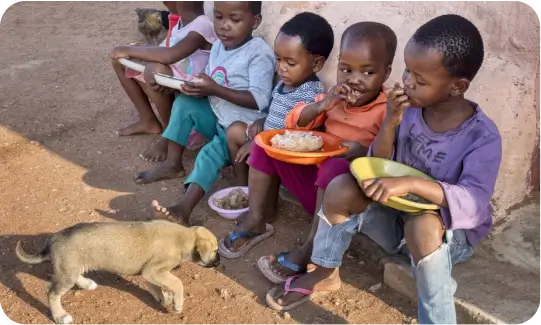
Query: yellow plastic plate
(371, 167)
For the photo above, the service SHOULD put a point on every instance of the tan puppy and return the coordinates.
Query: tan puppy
(151, 249)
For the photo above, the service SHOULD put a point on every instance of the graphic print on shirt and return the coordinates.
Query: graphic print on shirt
(219, 75)
(421, 156)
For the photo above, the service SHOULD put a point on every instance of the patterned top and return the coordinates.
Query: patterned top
(282, 103)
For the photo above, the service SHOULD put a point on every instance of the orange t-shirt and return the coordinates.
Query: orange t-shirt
(359, 124)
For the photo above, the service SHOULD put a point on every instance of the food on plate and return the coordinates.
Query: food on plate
(234, 200)
(415, 198)
(297, 141)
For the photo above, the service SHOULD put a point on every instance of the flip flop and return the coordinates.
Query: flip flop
(308, 295)
(264, 265)
(256, 238)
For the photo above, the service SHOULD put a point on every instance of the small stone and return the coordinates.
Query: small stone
(337, 303)
(375, 287)
(163, 189)
(196, 276)
(224, 294)
(361, 262)
(351, 254)
(287, 316)
(34, 143)
(350, 300)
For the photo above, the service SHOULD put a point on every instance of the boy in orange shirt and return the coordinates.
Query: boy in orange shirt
(353, 110)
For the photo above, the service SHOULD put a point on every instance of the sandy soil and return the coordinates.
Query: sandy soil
(61, 163)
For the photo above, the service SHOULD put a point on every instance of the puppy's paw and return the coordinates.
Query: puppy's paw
(64, 319)
(166, 299)
(177, 309)
(90, 285)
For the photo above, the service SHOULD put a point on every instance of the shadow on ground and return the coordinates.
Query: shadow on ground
(62, 95)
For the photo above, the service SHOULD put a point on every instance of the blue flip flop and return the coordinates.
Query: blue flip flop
(256, 238)
(264, 265)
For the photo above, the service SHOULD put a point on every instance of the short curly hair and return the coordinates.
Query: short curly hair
(458, 40)
(373, 30)
(314, 31)
(255, 7)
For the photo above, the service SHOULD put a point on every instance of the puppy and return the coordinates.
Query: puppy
(151, 249)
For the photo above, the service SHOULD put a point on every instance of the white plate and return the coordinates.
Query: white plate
(132, 65)
(168, 81)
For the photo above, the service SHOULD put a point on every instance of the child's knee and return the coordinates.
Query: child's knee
(117, 66)
(154, 67)
(236, 132)
(342, 190)
(424, 233)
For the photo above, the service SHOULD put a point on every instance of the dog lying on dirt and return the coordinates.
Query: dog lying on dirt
(151, 249)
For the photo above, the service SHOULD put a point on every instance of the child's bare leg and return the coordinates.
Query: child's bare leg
(170, 168)
(163, 103)
(343, 198)
(301, 255)
(184, 208)
(147, 120)
(262, 200)
(236, 138)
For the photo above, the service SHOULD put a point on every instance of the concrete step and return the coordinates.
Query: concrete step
(495, 286)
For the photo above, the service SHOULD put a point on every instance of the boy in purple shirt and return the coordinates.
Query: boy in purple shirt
(429, 125)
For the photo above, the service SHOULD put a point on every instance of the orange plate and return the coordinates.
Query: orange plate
(331, 147)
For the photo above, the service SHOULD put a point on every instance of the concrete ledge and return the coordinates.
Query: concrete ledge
(398, 276)
(496, 286)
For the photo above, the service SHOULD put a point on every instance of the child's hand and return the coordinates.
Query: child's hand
(243, 152)
(397, 102)
(336, 95)
(203, 88)
(355, 150)
(119, 52)
(255, 128)
(380, 189)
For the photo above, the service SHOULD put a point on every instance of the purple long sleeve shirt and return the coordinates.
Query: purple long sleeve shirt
(464, 161)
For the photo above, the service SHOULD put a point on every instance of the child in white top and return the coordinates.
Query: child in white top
(183, 54)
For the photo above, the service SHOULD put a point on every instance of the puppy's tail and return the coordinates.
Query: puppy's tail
(31, 259)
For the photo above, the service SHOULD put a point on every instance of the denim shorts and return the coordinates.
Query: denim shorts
(383, 225)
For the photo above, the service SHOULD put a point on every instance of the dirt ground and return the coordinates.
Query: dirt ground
(61, 163)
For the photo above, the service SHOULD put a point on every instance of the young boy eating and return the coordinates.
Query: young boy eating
(431, 126)
(237, 86)
(366, 55)
(302, 46)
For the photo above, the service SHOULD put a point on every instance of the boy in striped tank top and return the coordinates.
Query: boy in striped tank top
(301, 47)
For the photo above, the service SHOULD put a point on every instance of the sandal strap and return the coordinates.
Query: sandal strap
(281, 259)
(299, 290)
(243, 234)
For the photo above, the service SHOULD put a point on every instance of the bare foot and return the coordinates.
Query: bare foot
(169, 213)
(156, 152)
(245, 223)
(164, 171)
(320, 279)
(141, 127)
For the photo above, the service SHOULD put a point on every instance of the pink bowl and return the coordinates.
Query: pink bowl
(228, 214)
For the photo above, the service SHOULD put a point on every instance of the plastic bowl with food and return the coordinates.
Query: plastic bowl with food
(230, 214)
(331, 147)
(372, 167)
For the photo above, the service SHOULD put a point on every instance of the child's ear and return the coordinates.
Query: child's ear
(257, 21)
(460, 86)
(388, 72)
(319, 62)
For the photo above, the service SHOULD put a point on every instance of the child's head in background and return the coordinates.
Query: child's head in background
(171, 5)
(442, 58)
(234, 21)
(302, 46)
(367, 51)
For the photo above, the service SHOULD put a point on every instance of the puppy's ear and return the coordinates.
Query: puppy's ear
(206, 244)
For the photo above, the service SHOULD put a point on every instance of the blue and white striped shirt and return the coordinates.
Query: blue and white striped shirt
(282, 103)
